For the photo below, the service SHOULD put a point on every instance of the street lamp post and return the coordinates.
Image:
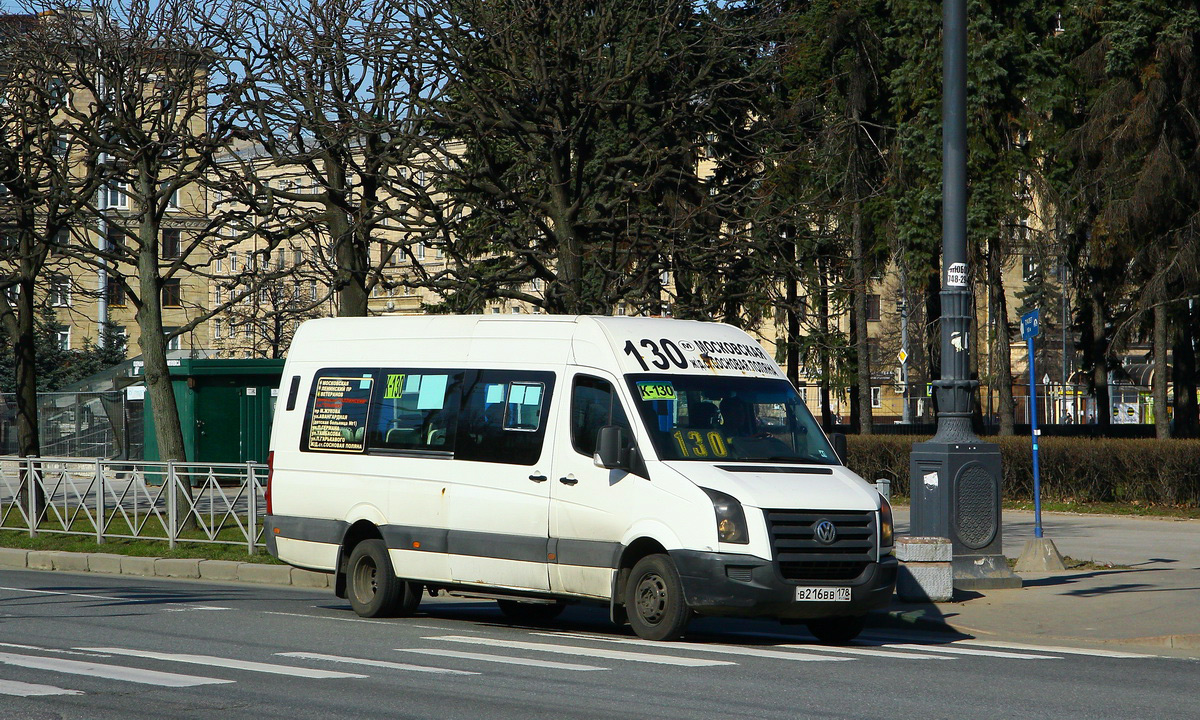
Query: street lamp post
(955, 476)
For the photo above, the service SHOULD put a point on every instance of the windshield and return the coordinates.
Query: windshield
(708, 418)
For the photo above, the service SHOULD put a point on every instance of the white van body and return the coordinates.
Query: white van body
(467, 446)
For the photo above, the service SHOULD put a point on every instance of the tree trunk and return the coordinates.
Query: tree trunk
(1162, 426)
(823, 321)
(1099, 356)
(1001, 343)
(862, 341)
(19, 324)
(932, 336)
(1183, 375)
(350, 277)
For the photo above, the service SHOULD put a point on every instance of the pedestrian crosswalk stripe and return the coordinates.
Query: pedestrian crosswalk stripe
(504, 659)
(108, 672)
(227, 663)
(1053, 649)
(882, 652)
(57, 651)
(951, 650)
(20, 689)
(375, 663)
(584, 651)
(697, 647)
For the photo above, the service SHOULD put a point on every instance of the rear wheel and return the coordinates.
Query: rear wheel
(529, 612)
(654, 599)
(372, 585)
(837, 630)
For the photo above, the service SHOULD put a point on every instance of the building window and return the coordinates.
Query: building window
(297, 257)
(216, 329)
(233, 262)
(170, 293)
(62, 146)
(116, 293)
(173, 343)
(164, 188)
(60, 292)
(118, 195)
(877, 397)
(62, 336)
(114, 235)
(312, 289)
(1030, 268)
(873, 308)
(169, 245)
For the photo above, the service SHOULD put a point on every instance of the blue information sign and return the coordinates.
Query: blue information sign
(1030, 324)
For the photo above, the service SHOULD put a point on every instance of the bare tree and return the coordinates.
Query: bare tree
(329, 92)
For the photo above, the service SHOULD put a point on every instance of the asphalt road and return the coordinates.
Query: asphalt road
(98, 647)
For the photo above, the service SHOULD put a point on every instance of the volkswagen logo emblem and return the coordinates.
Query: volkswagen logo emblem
(825, 532)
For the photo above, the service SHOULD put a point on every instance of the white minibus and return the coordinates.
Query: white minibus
(663, 467)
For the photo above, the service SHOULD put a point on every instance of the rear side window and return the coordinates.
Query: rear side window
(338, 408)
(503, 418)
(594, 404)
(416, 410)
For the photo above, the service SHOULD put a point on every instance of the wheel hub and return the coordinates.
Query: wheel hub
(651, 598)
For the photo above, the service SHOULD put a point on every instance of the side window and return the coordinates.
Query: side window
(594, 404)
(503, 416)
(415, 410)
(335, 419)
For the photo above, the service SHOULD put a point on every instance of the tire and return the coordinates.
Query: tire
(372, 585)
(837, 630)
(654, 599)
(533, 613)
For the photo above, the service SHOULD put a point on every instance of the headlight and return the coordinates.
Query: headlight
(887, 531)
(731, 519)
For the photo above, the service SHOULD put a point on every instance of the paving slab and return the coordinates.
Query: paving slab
(14, 558)
(177, 568)
(219, 570)
(41, 560)
(143, 566)
(104, 563)
(265, 574)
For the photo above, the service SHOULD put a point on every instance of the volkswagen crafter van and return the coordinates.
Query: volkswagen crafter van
(663, 467)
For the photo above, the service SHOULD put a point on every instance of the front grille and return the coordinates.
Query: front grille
(800, 557)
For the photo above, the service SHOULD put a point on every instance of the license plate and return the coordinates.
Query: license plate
(823, 594)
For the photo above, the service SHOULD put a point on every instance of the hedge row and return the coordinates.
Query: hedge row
(1152, 472)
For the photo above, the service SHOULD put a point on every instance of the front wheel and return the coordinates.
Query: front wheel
(654, 599)
(837, 630)
(372, 585)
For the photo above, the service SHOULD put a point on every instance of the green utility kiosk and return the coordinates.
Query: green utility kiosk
(225, 408)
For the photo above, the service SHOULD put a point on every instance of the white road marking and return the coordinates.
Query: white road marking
(584, 651)
(188, 608)
(20, 689)
(375, 663)
(213, 661)
(505, 659)
(327, 617)
(51, 650)
(109, 672)
(882, 652)
(720, 649)
(69, 594)
(1054, 648)
(951, 650)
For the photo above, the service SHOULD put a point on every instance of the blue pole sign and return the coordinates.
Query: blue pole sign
(1030, 328)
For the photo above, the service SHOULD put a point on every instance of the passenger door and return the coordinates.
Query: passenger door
(499, 505)
(590, 507)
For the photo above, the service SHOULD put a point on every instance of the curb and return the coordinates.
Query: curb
(110, 564)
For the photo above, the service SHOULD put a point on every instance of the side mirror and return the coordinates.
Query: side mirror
(838, 440)
(612, 448)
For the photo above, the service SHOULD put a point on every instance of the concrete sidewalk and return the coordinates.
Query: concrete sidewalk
(1153, 602)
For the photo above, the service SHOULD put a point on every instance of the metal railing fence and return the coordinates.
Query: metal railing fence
(176, 502)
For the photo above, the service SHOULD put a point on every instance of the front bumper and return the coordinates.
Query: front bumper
(747, 586)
